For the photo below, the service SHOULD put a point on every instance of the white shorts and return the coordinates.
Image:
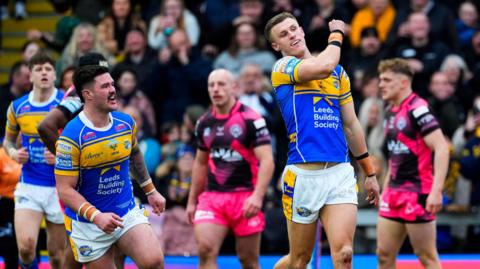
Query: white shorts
(39, 198)
(89, 243)
(305, 192)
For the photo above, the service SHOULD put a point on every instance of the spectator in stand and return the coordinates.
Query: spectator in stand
(66, 79)
(445, 104)
(315, 18)
(18, 84)
(244, 48)
(459, 75)
(371, 117)
(59, 39)
(365, 58)
(424, 55)
(466, 23)
(472, 54)
(379, 14)
(441, 21)
(129, 94)
(84, 40)
(178, 236)
(138, 56)
(250, 11)
(173, 15)
(274, 7)
(180, 80)
(29, 49)
(113, 29)
(190, 117)
(20, 10)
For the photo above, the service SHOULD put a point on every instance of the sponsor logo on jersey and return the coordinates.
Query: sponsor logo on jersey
(206, 132)
(90, 155)
(25, 108)
(260, 123)
(120, 127)
(127, 144)
(112, 144)
(401, 123)
(226, 154)
(89, 136)
(219, 131)
(397, 147)
(64, 147)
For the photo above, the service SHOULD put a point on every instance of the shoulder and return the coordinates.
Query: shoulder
(248, 113)
(20, 101)
(286, 64)
(418, 107)
(73, 129)
(122, 117)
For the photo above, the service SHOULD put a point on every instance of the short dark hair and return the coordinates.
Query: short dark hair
(40, 58)
(396, 65)
(274, 21)
(85, 75)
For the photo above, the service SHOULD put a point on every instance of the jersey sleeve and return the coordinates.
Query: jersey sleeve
(134, 134)
(70, 106)
(285, 71)
(67, 159)
(12, 124)
(424, 120)
(345, 93)
(199, 131)
(257, 128)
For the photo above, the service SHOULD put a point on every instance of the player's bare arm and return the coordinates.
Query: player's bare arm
(265, 171)
(324, 63)
(356, 142)
(199, 178)
(49, 127)
(106, 221)
(19, 155)
(437, 143)
(139, 172)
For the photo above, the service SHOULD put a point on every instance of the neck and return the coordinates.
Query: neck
(42, 95)
(225, 109)
(98, 118)
(402, 96)
(419, 42)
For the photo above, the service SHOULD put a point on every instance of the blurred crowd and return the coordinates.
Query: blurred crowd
(160, 53)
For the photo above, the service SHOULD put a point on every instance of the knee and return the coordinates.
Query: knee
(344, 255)
(154, 262)
(26, 249)
(299, 260)
(249, 261)
(205, 250)
(384, 256)
(426, 257)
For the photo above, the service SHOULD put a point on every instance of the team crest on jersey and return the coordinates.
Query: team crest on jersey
(120, 127)
(336, 85)
(401, 123)
(236, 130)
(206, 132)
(85, 250)
(89, 136)
(219, 131)
(127, 144)
(113, 144)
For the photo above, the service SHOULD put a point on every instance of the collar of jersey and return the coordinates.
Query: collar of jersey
(89, 124)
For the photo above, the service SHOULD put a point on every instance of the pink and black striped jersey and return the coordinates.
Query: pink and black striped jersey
(230, 140)
(410, 158)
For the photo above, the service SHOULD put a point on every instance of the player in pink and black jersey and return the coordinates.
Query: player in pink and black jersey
(232, 170)
(418, 162)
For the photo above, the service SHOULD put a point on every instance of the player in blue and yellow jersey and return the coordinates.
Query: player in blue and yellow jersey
(93, 157)
(314, 97)
(35, 195)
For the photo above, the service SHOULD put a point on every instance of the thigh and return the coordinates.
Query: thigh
(104, 262)
(211, 235)
(248, 246)
(301, 237)
(390, 235)
(339, 222)
(27, 225)
(56, 236)
(422, 236)
(140, 242)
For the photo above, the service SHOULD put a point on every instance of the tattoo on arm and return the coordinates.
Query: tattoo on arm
(8, 145)
(138, 169)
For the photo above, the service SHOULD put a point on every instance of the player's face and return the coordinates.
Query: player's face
(104, 94)
(43, 76)
(288, 37)
(391, 85)
(220, 88)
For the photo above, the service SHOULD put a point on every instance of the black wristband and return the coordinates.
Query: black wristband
(372, 175)
(335, 43)
(363, 156)
(338, 31)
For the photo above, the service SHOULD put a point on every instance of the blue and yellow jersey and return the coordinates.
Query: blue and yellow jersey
(100, 157)
(311, 111)
(23, 115)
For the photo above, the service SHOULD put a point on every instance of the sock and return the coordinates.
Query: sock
(32, 265)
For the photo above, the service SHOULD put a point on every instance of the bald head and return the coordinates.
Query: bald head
(222, 86)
